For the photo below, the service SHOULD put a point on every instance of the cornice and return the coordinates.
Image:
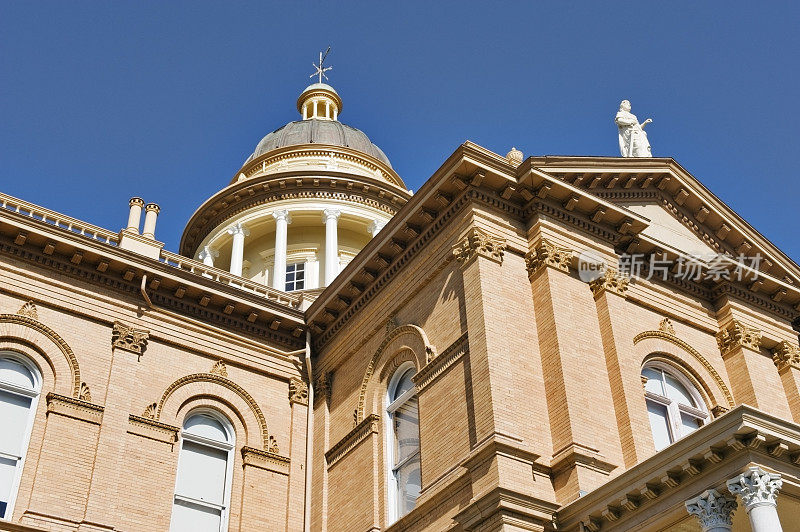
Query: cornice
(152, 429)
(265, 460)
(439, 364)
(74, 408)
(360, 432)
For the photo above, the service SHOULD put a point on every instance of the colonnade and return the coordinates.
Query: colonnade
(238, 232)
(759, 492)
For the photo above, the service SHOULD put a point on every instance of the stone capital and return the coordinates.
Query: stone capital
(238, 229)
(738, 335)
(151, 207)
(328, 214)
(786, 355)
(283, 214)
(322, 386)
(375, 226)
(298, 392)
(611, 281)
(549, 255)
(136, 202)
(479, 243)
(129, 338)
(208, 251)
(756, 487)
(713, 509)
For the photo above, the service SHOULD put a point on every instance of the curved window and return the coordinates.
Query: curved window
(674, 405)
(203, 486)
(403, 445)
(19, 391)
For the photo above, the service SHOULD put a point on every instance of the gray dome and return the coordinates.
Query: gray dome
(330, 132)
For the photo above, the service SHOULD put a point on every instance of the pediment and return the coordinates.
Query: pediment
(667, 229)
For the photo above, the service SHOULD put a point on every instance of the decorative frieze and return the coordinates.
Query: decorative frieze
(713, 509)
(547, 254)
(611, 281)
(129, 338)
(738, 335)
(479, 243)
(786, 355)
(298, 392)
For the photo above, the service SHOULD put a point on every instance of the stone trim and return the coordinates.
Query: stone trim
(265, 460)
(51, 335)
(671, 338)
(298, 392)
(611, 281)
(738, 335)
(545, 253)
(129, 338)
(366, 428)
(154, 430)
(74, 408)
(479, 243)
(323, 386)
(576, 454)
(437, 366)
(786, 355)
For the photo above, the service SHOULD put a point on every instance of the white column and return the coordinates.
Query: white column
(207, 255)
(315, 108)
(282, 220)
(335, 113)
(759, 492)
(305, 112)
(237, 248)
(713, 510)
(327, 109)
(375, 227)
(331, 217)
(151, 211)
(135, 214)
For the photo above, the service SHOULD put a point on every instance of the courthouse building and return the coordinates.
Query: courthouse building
(328, 351)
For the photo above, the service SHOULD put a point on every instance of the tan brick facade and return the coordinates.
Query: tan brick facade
(531, 404)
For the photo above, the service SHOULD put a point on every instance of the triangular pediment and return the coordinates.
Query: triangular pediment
(667, 229)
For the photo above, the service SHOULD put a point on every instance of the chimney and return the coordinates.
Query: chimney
(135, 214)
(151, 213)
(145, 243)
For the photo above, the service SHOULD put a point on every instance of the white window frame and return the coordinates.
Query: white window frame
(228, 447)
(391, 466)
(33, 395)
(304, 264)
(675, 409)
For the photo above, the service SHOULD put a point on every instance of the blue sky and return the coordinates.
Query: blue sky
(100, 101)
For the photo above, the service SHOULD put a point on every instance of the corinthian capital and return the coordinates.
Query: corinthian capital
(756, 487)
(479, 243)
(238, 229)
(785, 355)
(714, 510)
(611, 281)
(547, 254)
(129, 338)
(737, 334)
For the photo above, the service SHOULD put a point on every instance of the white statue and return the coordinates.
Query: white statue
(632, 138)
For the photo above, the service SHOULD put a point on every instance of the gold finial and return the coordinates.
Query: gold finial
(320, 70)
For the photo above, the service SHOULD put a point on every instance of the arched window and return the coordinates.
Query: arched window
(203, 486)
(403, 442)
(674, 405)
(19, 392)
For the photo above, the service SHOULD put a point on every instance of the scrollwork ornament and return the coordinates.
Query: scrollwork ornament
(756, 487)
(713, 509)
(478, 243)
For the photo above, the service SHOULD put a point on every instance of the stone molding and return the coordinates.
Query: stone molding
(738, 335)
(323, 386)
(269, 461)
(129, 338)
(786, 355)
(713, 509)
(438, 365)
(154, 430)
(298, 392)
(548, 254)
(479, 243)
(671, 338)
(756, 487)
(611, 281)
(51, 335)
(74, 408)
(364, 429)
(576, 454)
(395, 333)
(268, 441)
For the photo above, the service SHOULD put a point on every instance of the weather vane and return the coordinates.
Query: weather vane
(320, 70)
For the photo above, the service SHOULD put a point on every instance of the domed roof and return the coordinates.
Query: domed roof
(316, 131)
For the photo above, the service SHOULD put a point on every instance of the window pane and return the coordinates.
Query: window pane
(653, 384)
(290, 268)
(12, 372)
(677, 392)
(404, 384)
(8, 469)
(188, 517)
(408, 486)
(206, 427)
(659, 424)
(406, 430)
(689, 423)
(14, 411)
(201, 473)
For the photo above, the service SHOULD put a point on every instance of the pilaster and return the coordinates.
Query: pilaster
(298, 399)
(786, 356)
